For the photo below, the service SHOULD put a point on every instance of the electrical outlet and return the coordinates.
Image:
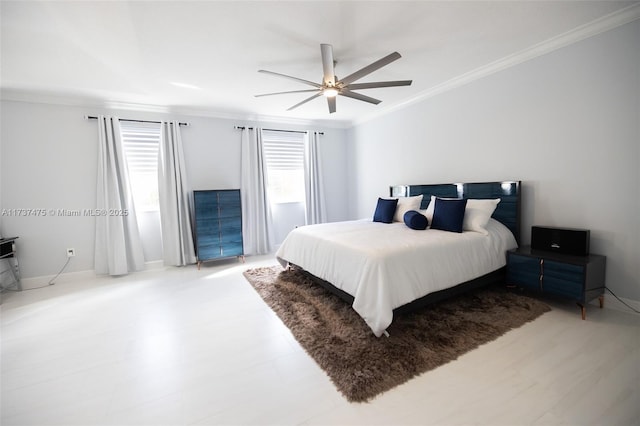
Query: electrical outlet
(71, 252)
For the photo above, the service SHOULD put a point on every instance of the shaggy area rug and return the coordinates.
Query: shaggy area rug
(361, 365)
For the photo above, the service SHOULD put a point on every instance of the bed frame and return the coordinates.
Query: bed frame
(507, 212)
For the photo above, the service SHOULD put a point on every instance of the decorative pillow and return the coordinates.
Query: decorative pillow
(448, 215)
(428, 212)
(405, 204)
(478, 213)
(415, 220)
(476, 216)
(385, 210)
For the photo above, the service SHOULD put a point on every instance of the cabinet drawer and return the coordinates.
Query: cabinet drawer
(231, 225)
(524, 271)
(563, 279)
(205, 200)
(563, 271)
(207, 222)
(230, 238)
(206, 205)
(230, 211)
(207, 213)
(232, 249)
(524, 279)
(228, 198)
(209, 252)
(208, 240)
(229, 204)
(560, 287)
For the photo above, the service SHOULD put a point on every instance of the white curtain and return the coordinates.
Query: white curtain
(175, 212)
(314, 190)
(118, 248)
(256, 211)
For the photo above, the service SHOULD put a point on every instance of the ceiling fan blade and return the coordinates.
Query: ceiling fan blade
(311, 83)
(371, 68)
(374, 85)
(359, 97)
(284, 93)
(329, 77)
(305, 101)
(332, 104)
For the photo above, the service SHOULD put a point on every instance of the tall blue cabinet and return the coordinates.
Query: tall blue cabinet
(218, 224)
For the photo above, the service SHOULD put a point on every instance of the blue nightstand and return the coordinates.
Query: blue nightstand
(579, 278)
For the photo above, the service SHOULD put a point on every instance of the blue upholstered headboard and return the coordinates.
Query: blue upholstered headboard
(507, 212)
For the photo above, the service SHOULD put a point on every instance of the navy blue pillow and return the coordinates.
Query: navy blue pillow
(415, 220)
(448, 215)
(385, 209)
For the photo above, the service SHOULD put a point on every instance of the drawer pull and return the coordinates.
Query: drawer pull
(541, 278)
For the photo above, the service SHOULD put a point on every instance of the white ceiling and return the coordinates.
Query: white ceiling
(203, 57)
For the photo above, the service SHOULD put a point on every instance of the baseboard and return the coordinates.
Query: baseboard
(44, 280)
(154, 265)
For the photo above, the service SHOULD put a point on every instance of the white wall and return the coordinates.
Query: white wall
(49, 156)
(49, 162)
(566, 124)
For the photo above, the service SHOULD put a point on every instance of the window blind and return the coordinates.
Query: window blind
(141, 143)
(283, 150)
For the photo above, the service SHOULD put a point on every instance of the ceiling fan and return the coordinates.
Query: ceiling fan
(331, 86)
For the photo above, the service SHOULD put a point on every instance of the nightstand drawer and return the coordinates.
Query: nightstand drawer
(563, 279)
(563, 288)
(523, 271)
(563, 271)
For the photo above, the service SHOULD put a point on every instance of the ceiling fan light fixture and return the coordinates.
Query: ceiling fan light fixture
(331, 86)
(330, 92)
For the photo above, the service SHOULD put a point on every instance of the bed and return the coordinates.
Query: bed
(386, 269)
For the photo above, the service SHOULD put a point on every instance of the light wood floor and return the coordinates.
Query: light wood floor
(182, 347)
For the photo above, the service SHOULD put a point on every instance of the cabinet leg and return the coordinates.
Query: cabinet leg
(601, 300)
(199, 263)
(241, 258)
(583, 310)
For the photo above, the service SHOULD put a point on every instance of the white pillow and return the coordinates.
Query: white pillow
(404, 205)
(428, 212)
(477, 214)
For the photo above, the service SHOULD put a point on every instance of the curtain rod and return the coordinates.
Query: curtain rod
(93, 117)
(275, 130)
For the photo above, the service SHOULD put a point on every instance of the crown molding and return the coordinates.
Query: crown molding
(260, 118)
(582, 32)
(17, 95)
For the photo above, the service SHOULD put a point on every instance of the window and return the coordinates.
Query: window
(284, 157)
(141, 143)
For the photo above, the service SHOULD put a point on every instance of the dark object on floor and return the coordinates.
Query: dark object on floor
(361, 365)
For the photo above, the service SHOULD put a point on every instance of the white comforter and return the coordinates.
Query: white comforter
(384, 266)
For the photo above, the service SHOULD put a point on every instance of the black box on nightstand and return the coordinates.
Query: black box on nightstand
(560, 240)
